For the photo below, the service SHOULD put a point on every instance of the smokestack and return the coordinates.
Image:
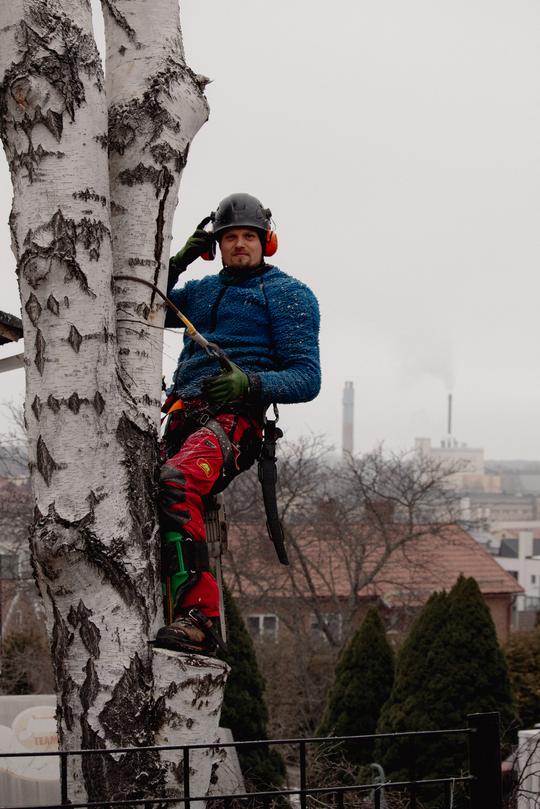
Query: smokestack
(449, 419)
(348, 420)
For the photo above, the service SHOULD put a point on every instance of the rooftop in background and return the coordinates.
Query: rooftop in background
(11, 328)
(432, 561)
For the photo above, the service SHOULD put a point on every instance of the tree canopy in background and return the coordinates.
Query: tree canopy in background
(523, 656)
(363, 682)
(450, 666)
(244, 709)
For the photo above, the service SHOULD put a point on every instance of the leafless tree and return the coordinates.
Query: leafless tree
(343, 523)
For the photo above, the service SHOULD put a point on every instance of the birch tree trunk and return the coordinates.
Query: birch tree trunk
(156, 107)
(92, 447)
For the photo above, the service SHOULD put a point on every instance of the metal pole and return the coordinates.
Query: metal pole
(186, 778)
(63, 778)
(412, 773)
(485, 760)
(303, 782)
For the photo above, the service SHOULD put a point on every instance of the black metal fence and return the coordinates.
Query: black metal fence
(482, 781)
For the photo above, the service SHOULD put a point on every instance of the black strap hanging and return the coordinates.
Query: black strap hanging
(268, 479)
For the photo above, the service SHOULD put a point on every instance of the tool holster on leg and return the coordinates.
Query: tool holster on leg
(182, 562)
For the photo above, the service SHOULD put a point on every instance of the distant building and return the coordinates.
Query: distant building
(431, 562)
(10, 328)
(468, 463)
(348, 420)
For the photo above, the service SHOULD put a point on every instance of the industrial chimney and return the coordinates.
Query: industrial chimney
(348, 420)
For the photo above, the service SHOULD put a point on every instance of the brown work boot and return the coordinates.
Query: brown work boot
(191, 631)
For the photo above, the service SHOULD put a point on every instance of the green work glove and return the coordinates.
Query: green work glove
(226, 386)
(198, 243)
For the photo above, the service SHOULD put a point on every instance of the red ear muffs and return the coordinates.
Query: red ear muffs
(210, 254)
(271, 243)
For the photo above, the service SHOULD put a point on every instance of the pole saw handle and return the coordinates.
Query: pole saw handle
(218, 352)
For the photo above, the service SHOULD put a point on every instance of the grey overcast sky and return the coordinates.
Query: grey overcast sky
(398, 146)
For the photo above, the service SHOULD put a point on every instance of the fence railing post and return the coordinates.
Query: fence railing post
(485, 760)
(303, 775)
(63, 777)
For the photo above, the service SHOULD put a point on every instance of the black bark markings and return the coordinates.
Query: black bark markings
(37, 261)
(99, 403)
(160, 223)
(73, 402)
(31, 159)
(141, 463)
(54, 537)
(53, 305)
(53, 403)
(74, 338)
(89, 632)
(39, 358)
(33, 309)
(164, 153)
(132, 776)
(56, 57)
(62, 639)
(36, 407)
(140, 459)
(159, 178)
(121, 21)
(140, 262)
(45, 462)
(109, 561)
(92, 234)
(117, 209)
(89, 194)
(203, 688)
(148, 116)
(132, 715)
(90, 687)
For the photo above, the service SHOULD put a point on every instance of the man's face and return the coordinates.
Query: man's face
(241, 248)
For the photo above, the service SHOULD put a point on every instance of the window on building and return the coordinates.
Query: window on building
(334, 622)
(514, 573)
(263, 626)
(533, 579)
(509, 548)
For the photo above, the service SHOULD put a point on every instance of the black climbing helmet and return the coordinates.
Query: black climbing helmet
(241, 210)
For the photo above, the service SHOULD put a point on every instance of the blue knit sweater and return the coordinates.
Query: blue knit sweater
(267, 324)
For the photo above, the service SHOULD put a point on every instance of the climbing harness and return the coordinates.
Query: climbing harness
(272, 433)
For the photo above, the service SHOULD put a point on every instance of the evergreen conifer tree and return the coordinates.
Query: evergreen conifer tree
(244, 710)
(363, 682)
(451, 665)
(523, 656)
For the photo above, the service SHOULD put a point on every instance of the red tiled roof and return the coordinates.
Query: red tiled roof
(432, 560)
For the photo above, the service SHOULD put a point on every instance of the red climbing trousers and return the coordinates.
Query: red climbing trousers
(202, 461)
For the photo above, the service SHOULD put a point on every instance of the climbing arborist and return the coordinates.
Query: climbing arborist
(267, 323)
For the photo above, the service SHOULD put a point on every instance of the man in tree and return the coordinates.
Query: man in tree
(267, 323)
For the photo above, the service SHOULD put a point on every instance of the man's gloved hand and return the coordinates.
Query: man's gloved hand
(226, 386)
(198, 243)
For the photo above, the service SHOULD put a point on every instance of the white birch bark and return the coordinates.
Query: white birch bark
(156, 107)
(93, 458)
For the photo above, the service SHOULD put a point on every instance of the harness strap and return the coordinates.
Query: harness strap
(225, 443)
(195, 557)
(268, 479)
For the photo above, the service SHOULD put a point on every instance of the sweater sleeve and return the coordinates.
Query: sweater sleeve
(295, 320)
(178, 297)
